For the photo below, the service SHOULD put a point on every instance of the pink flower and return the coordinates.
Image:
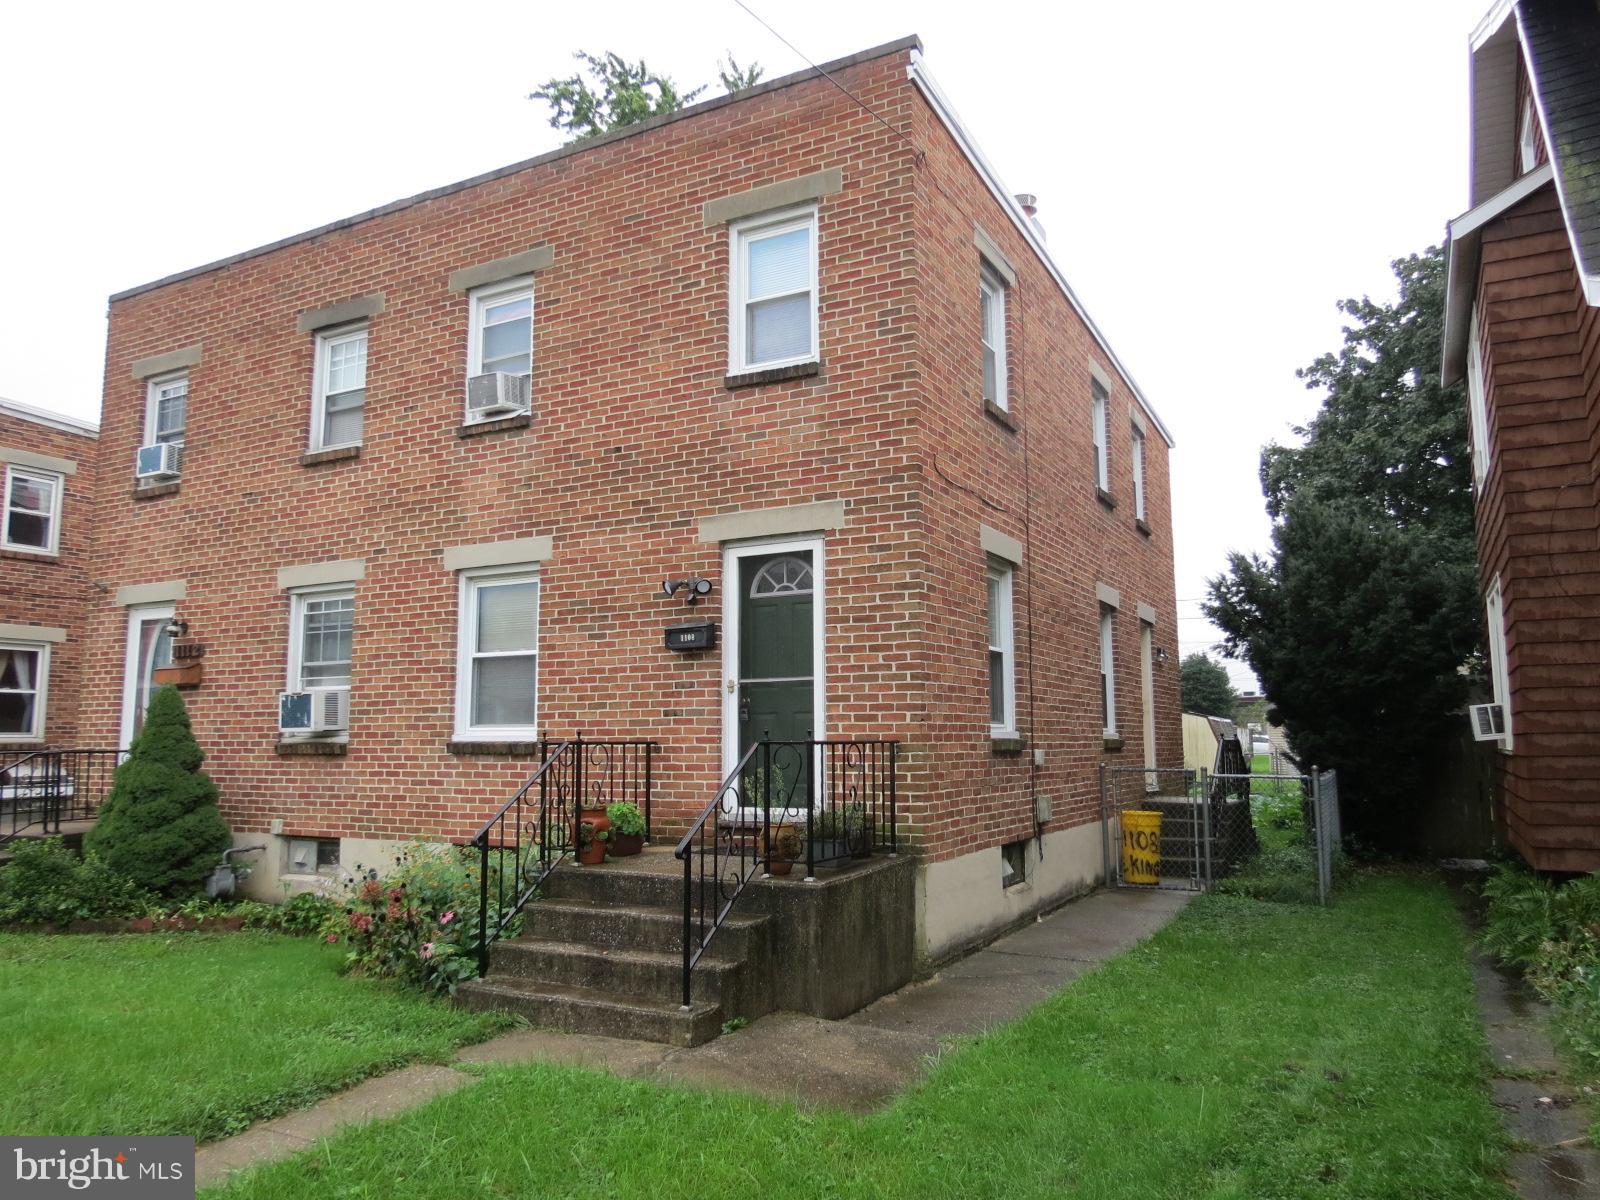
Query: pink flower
(331, 938)
(426, 952)
(448, 917)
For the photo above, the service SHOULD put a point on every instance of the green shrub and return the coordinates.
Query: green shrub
(1287, 874)
(159, 825)
(419, 923)
(625, 818)
(1552, 932)
(306, 912)
(45, 883)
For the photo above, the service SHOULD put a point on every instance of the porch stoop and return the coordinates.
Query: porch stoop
(601, 950)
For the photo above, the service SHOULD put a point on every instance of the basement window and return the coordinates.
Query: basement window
(313, 856)
(1013, 863)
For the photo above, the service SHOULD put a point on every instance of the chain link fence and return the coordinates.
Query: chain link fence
(1269, 835)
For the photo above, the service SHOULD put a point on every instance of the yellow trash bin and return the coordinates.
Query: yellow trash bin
(1141, 846)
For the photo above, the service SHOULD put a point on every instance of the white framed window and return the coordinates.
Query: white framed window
(321, 631)
(1136, 456)
(1108, 670)
(773, 291)
(992, 310)
(24, 679)
(1499, 670)
(1528, 137)
(30, 510)
(497, 655)
(166, 413)
(339, 388)
(1002, 651)
(500, 334)
(1477, 401)
(1102, 427)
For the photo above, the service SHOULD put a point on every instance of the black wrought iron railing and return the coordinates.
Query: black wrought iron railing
(41, 790)
(538, 827)
(786, 802)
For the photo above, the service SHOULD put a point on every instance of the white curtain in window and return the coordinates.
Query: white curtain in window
(778, 322)
(505, 663)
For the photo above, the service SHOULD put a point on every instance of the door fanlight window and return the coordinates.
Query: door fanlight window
(787, 576)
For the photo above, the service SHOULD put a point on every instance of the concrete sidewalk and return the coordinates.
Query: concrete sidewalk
(857, 1064)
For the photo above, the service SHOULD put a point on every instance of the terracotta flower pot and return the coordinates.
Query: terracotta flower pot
(779, 866)
(592, 822)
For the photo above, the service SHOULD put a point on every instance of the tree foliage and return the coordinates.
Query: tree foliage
(608, 92)
(159, 826)
(1360, 620)
(1206, 687)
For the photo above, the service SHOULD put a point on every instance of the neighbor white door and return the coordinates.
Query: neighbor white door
(149, 647)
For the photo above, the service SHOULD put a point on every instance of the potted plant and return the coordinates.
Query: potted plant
(627, 829)
(592, 838)
(788, 848)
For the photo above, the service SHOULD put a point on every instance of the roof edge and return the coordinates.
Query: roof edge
(910, 42)
(946, 113)
(44, 416)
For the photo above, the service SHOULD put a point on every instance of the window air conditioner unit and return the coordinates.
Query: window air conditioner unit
(497, 395)
(1488, 722)
(318, 710)
(161, 461)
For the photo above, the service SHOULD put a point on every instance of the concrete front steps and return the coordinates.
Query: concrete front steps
(601, 952)
(71, 834)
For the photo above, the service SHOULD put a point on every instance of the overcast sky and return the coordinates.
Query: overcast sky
(1213, 178)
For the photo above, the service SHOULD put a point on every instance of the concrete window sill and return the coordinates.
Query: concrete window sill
(313, 749)
(315, 458)
(1105, 498)
(1142, 525)
(1014, 744)
(33, 556)
(772, 375)
(999, 416)
(154, 491)
(479, 428)
(1113, 745)
(494, 749)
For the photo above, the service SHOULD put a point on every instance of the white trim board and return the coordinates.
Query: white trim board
(918, 74)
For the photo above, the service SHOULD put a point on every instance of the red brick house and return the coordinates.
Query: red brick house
(47, 472)
(795, 350)
(1522, 330)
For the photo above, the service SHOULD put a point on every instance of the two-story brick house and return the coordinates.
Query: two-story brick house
(800, 344)
(1522, 330)
(47, 473)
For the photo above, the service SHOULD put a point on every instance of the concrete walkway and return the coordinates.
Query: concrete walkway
(857, 1064)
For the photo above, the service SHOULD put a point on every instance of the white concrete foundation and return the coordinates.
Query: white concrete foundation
(960, 901)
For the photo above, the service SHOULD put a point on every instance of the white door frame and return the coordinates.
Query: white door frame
(1147, 702)
(137, 615)
(732, 594)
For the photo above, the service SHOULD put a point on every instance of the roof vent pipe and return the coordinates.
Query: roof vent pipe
(1030, 205)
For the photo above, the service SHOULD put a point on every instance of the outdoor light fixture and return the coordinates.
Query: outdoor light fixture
(1161, 654)
(177, 628)
(693, 587)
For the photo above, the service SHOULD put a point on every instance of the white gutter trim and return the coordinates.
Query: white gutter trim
(1490, 25)
(43, 416)
(1591, 283)
(1525, 186)
(917, 72)
(1462, 238)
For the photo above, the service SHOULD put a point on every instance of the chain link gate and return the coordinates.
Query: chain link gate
(1186, 830)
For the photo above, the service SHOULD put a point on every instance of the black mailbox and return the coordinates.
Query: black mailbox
(696, 635)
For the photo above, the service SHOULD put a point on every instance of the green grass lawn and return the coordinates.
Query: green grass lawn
(1249, 1051)
(196, 1033)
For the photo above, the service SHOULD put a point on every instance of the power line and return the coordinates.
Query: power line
(844, 90)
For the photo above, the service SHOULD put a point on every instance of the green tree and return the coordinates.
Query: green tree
(1359, 622)
(608, 92)
(159, 826)
(1206, 687)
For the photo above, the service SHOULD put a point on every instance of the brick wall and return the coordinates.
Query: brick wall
(635, 438)
(52, 590)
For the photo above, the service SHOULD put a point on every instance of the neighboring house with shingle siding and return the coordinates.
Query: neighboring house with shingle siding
(1522, 329)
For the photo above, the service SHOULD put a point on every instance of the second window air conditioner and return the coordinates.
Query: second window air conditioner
(318, 710)
(497, 394)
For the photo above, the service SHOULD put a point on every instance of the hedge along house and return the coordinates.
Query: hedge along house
(438, 459)
(1522, 329)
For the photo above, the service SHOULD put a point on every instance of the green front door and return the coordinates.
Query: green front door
(777, 659)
